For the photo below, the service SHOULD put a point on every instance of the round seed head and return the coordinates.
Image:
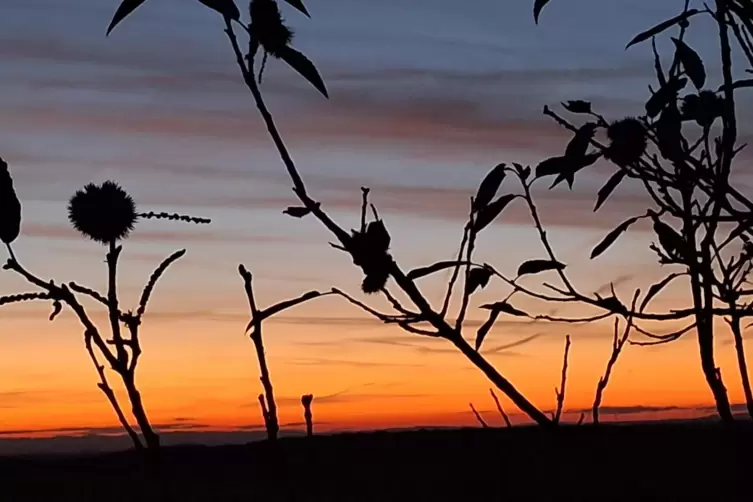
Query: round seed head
(104, 213)
(627, 141)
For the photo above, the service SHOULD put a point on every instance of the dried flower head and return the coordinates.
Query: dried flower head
(306, 400)
(369, 250)
(268, 26)
(627, 141)
(105, 213)
(704, 107)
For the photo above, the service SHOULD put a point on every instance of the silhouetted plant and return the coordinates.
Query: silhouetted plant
(478, 416)
(690, 184)
(106, 214)
(500, 409)
(701, 220)
(267, 401)
(306, 401)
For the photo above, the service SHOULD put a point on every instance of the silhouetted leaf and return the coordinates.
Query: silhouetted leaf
(657, 64)
(665, 94)
(554, 165)
(538, 266)
(504, 307)
(10, 206)
(417, 273)
(484, 329)
(661, 27)
(297, 211)
(304, 66)
(488, 187)
(225, 7)
(537, 6)
(124, 9)
(670, 240)
(298, 4)
(656, 289)
(609, 187)
(490, 212)
(611, 237)
(577, 106)
(578, 146)
(378, 236)
(692, 63)
(669, 132)
(478, 278)
(284, 305)
(575, 165)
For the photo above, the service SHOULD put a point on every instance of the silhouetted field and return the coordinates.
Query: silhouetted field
(666, 462)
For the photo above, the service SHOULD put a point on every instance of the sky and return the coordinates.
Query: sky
(426, 97)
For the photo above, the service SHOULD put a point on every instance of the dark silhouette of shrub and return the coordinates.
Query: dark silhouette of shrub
(106, 214)
(687, 179)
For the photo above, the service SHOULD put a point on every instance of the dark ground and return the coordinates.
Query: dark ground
(667, 462)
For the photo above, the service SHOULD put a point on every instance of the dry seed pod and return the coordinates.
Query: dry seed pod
(104, 213)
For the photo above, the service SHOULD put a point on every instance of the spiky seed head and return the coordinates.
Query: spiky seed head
(627, 141)
(104, 213)
(268, 25)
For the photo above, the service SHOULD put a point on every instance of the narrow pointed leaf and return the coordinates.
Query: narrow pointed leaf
(490, 212)
(666, 94)
(659, 28)
(575, 166)
(578, 146)
(504, 307)
(538, 5)
(739, 84)
(296, 211)
(692, 63)
(305, 67)
(279, 307)
(484, 329)
(552, 166)
(657, 64)
(125, 8)
(609, 187)
(656, 289)
(538, 266)
(417, 273)
(478, 278)
(298, 4)
(578, 106)
(488, 187)
(225, 7)
(612, 236)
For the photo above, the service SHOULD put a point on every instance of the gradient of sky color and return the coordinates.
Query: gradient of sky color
(426, 96)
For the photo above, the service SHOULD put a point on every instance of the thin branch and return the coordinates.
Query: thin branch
(563, 383)
(104, 386)
(500, 409)
(478, 417)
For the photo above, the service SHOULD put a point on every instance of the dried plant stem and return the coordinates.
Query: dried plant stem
(735, 327)
(306, 401)
(104, 386)
(501, 410)
(270, 410)
(618, 342)
(478, 417)
(406, 284)
(560, 393)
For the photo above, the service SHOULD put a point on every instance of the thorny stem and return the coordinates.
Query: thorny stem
(112, 302)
